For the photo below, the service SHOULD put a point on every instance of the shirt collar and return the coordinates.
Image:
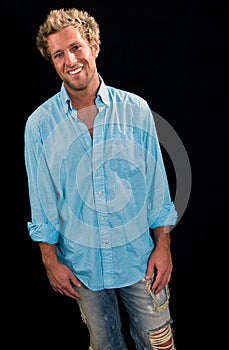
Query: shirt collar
(102, 96)
(103, 92)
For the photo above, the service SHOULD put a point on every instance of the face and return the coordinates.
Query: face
(73, 59)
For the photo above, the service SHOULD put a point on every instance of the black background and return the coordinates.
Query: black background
(172, 53)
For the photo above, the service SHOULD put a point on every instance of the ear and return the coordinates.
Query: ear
(95, 47)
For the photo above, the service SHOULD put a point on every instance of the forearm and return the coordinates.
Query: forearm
(48, 253)
(162, 236)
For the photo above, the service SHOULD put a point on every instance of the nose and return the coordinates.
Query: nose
(70, 59)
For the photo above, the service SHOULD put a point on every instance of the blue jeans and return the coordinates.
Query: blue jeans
(100, 312)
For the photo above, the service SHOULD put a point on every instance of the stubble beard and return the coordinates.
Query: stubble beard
(84, 85)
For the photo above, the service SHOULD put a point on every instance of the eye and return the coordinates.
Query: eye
(58, 55)
(75, 48)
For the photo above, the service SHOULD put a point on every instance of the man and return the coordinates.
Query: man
(97, 188)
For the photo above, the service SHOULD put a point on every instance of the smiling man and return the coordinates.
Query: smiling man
(98, 189)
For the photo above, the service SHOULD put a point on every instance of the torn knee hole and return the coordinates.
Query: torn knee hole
(162, 339)
(83, 317)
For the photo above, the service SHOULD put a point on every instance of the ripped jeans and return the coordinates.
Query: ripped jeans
(148, 313)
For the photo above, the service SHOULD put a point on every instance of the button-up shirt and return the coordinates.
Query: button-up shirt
(97, 198)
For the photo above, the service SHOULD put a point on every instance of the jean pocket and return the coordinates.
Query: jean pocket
(161, 299)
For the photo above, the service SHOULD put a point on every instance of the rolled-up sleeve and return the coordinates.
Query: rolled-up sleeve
(161, 209)
(44, 216)
(43, 233)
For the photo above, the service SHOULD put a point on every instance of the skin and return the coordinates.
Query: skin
(160, 261)
(75, 63)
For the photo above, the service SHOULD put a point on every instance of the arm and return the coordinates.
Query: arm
(160, 261)
(44, 227)
(161, 212)
(60, 276)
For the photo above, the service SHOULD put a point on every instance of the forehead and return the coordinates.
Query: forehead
(64, 39)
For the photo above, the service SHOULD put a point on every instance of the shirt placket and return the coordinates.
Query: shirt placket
(99, 143)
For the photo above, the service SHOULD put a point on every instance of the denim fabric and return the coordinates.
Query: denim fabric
(100, 312)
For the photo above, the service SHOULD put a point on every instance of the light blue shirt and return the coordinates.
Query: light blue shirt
(97, 198)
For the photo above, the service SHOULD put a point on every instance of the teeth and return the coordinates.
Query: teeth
(75, 71)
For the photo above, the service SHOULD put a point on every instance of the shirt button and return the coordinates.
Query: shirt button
(102, 218)
(99, 193)
(87, 143)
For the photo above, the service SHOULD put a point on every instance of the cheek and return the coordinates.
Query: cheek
(58, 68)
(90, 57)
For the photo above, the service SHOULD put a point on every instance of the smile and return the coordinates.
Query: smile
(75, 71)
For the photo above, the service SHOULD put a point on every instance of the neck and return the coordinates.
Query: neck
(86, 97)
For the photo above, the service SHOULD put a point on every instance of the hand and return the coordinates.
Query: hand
(63, 280)
(160, 265)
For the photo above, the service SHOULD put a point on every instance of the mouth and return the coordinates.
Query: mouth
(75, 71)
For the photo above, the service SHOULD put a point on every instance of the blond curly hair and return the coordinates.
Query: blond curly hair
(59, 19)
